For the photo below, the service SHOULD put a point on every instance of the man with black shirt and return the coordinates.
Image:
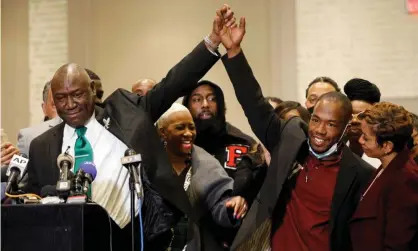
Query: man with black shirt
(218, 137)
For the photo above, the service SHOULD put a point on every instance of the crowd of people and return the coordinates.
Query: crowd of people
(339, 173)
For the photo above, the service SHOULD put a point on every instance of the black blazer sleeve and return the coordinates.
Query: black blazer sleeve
(263, 121)
(32, 185)
(180, 80)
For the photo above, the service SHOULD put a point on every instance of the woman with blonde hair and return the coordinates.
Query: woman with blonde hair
(205, 182)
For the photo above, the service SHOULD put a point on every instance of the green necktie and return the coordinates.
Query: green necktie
(82, 151)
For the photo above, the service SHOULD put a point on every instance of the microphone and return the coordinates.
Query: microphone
(90, 173)
(78, 182)
(17, 168)
(65, 163)
(132, 161)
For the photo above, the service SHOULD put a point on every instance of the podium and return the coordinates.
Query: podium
(60, 227)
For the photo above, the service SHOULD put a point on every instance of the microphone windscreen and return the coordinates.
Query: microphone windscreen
(89, 167)
(49, 190)
(63, 157)
(130, 152)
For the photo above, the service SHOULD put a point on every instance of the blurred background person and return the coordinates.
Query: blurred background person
(26, 135)
(413, 141)
(363, 95)
(48, 106)
(98, 96)
(205, 181)
(7, 149)
(290, 109)
(142, 86)
(386, 217)
(6, 154)
(317, 88)
(273, 101)
(218, 137)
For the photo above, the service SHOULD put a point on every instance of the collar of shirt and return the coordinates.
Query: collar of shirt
(69, 132)
(325, 163)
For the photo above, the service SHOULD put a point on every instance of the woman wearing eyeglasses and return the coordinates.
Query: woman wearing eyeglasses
(387, 215)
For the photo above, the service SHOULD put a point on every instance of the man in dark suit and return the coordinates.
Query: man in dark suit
(103, 135)
(314, 181)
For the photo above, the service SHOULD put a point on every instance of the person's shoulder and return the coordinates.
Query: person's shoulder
(410, 171)
(357, 162)
(121, 93)
(237, 133)
(202, 157)
(46, 135)
(293, 128)
(40, 128)
(200, 153)
(296, 122)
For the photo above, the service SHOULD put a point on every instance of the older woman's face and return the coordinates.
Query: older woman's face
(179, 132)
(368, 141)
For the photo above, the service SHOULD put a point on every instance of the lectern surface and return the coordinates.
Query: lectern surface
(61, 227)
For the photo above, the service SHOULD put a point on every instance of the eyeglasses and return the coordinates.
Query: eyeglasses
(355, 116)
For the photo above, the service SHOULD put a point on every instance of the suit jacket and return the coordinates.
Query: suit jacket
(210, 188)
(387, 217)
(286, 141)
(131, 118)
(26, 135)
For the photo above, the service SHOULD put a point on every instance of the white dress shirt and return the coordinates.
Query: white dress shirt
(372, 161)
(110, 189)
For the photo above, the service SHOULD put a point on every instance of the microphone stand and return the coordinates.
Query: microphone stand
(132, 189)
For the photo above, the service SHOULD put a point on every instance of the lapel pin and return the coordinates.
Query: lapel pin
(106, 123)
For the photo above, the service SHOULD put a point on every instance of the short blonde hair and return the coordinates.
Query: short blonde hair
(176, 107)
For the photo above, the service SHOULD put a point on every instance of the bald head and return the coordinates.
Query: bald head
(73, 94)
(68, 74)
(142, 86)
(345, 108)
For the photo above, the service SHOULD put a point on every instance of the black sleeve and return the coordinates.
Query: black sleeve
(249, 177)
(180, 80)
(32, 185)
(260, 114)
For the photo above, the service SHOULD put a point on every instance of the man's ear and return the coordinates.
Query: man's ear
(44, 108)
(93, 87)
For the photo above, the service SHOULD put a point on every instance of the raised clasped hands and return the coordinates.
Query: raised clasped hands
(227, 31)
